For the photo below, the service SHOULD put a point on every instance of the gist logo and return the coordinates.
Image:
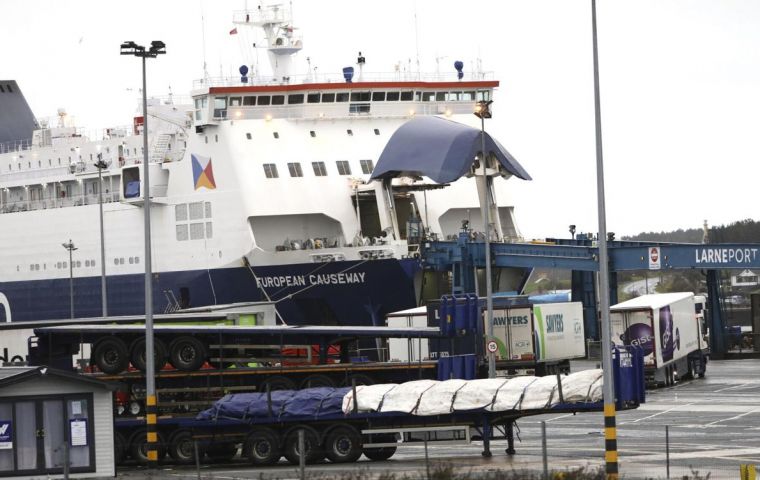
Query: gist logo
(639, 334)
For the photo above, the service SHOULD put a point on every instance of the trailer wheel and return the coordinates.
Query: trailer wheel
(137, 354)
(110, 355)
(313, 381)
(221, 452)
(187, 353)
(277, 382)
(360, 379)
(138, 446)
(119, 448)
(262, 447)
(312, 452)
(182, 447)
(343, 445)
(381, 453)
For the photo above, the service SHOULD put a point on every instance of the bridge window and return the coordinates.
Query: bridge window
(312, 98)
(367, 166)
(249, 101)
(343, 167)
(295, 99)
(295, 169)
(360, 96)
(235, 101)
(264, 100)
(319, 169)
(278, 99)
(378, 96)
(328, 97)
(270, 170)
(341, 97)
(392, 96)
(406, 96)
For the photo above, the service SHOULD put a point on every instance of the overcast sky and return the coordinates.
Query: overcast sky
(680, 86)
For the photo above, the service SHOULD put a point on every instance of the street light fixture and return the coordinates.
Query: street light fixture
(157, 47)
(70, 247)
(483, 111)
(100, 165)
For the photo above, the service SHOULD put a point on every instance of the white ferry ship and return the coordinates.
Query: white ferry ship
(260, 190)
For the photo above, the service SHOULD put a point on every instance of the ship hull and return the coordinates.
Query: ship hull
(335, 293)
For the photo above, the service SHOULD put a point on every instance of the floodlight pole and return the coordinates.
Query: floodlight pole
(100, 165)
(482, 111)
(70, 247)
(157, 48)
(608, 391)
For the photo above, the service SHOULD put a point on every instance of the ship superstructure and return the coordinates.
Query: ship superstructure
(260, 190)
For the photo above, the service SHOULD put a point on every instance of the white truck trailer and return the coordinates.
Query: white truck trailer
(667, 328)
(548, 334)
(539, 337)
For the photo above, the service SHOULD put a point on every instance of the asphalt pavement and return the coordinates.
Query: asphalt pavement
(713, 426)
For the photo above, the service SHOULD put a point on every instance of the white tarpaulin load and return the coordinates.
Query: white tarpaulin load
(508, 397)
(430, 397)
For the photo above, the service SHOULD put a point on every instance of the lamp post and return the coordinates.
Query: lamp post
(483, 111)
(100, 165)
(157, 47)
(70, 247)
(608, 389)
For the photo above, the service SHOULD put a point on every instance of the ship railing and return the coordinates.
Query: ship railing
(306, 79)
(15, 146)
(345, 110)
(55, 202)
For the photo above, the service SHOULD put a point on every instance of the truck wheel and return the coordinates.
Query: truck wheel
(262, 447)
(110, 355)
(221, 452)
(312, 452)
(314, 381)
(119, 448)
(187, 353)
(343, 445)
(182, 447)
(381, 453)
(137, 354)
(138, 446)
(277, 382)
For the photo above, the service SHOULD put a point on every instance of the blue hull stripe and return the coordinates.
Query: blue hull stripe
(342, 293)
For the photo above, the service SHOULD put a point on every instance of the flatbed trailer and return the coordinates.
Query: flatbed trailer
(345, 436)
(207, 361)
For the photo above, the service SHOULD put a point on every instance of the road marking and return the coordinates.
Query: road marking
(657, 414)
(732, 418)
(735, 387)
(713, 454)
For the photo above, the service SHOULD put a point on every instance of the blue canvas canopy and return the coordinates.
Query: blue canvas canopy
(439, 149)
(285, 404)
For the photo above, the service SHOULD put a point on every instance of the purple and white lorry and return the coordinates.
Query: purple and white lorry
(669, 331)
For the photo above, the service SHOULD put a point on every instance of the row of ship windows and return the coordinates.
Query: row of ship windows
(35, 267)
(7, 87)
(366, 96)
(50, 160)
(312, 133)
(320, 170)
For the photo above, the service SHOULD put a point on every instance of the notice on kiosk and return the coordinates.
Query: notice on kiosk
(6, 435)
(78, 430)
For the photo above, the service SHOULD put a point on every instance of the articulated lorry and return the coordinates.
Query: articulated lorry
(668, 329)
